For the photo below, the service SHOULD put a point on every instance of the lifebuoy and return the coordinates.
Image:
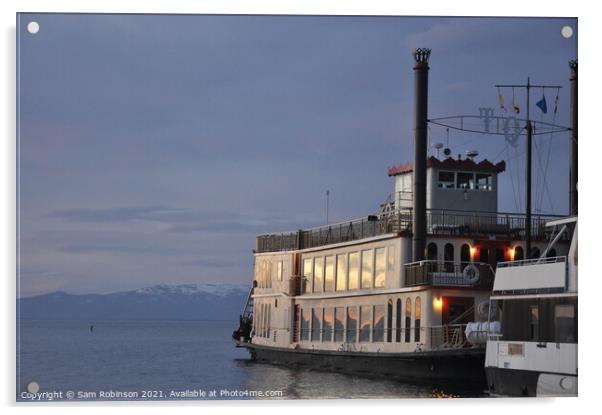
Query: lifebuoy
(471, 273)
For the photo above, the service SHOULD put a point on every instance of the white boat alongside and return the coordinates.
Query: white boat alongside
(534, 353)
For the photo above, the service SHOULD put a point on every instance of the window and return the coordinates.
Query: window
(465, 253)
(280, 270)
(484, 181)
(328, 320)
(446, 179)
(389, 321)
(339, 328)
(305, 324)
(318, 285)
(316, 324)
(329, 274)
(484, 255)
(431, 251)
(408, 320)
(354, 270)
(564, 324)
(534, 323)
(268, 322)
(418, 314)
(519, 253)
(308, 273)
(365, 323)
(398, 321)
(535, 253)
(448, 252)
(391, 259)
(351, 324)
(378, 323)
(448, 257)
(341, 272)
(379, 267)
(465, 181)
(367, 259)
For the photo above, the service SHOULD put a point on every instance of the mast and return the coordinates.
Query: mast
(573, 147)
(421, 68)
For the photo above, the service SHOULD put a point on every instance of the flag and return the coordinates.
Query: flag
(556, 104)
(500, 97)
(543, 106)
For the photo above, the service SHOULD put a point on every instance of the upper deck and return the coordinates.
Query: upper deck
(450, 223)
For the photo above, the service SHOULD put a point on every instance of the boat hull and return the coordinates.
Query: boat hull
(457, 364)
(513, 382)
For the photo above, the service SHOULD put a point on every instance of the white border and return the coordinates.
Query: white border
(590, 97)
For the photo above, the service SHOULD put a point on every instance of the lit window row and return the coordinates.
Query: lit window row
(262, 320)
(363, 324)
(263, 273)
(461, 180)
(349, 271)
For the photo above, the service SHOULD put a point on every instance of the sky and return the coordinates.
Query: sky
(152, 149)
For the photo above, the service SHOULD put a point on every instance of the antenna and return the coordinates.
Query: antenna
(437, 146)
(471, 154)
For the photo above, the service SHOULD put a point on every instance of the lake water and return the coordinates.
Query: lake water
(129, 360)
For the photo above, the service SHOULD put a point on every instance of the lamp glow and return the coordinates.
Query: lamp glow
(437, 303)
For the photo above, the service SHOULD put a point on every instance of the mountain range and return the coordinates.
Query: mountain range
(158, 302)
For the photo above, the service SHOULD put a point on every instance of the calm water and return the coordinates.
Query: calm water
(186, 357)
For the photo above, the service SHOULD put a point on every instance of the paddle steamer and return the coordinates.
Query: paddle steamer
(393, 293)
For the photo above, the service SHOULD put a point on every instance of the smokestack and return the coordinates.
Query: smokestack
(573, 147)
(421, 72)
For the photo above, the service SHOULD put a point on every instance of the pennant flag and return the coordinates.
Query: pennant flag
(543, 106)
(556, 104)
(516, 108)
(501, 99)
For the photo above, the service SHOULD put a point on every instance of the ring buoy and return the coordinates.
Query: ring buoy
(471, 273)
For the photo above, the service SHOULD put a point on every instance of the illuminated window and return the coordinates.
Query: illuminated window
(329, 274)
(280, 270)
(341, 272)
(380, 261)
(318, 284)
(308, 273)
(367, 274)
(354, 270)
(328, 321)
(378, 323)
(447, 179)
(339, 328)
(365, 323)
(351, 324)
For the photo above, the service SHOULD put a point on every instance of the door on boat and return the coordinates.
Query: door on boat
(457, 310)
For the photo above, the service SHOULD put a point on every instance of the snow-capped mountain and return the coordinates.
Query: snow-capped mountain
(158, 302)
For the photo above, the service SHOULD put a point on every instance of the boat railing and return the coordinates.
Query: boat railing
(449, 273)
(419, 338)
(533, 261)
(399, 221)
